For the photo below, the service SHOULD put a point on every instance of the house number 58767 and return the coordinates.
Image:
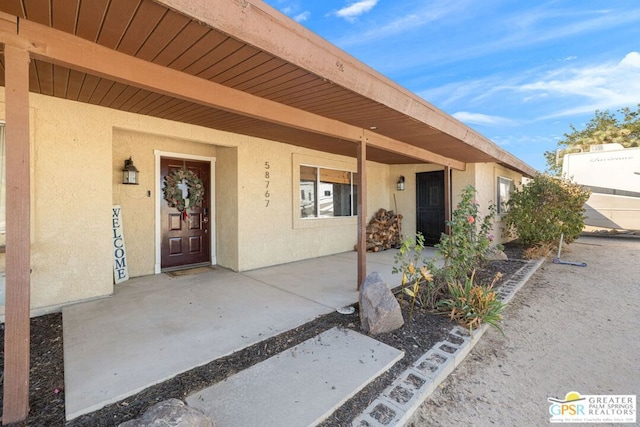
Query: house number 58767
(267, 180)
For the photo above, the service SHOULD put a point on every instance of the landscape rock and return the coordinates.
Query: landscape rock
(496, 255)
(171, 413)
(379, 309)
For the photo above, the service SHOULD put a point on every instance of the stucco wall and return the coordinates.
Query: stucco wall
(483, 176)
(459, 180)
(406, 200)
(273, 233)
(69, 181)
(227, 176)
(487, 178)
(250, 233)
(77, 155)
(75, 169)
(139, 201)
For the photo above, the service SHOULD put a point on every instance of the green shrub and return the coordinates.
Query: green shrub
(544, 209)
(467, 246)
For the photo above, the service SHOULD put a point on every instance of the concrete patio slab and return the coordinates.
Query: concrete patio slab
(159, 326)
(300, 386)
(155, 327)
(331, 284)
(329, 280)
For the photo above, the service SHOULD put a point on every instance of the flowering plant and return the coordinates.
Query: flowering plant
(468, 244)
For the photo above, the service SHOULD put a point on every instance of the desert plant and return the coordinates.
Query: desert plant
(544, 209)
(423, 276)
(409, 257)
(466, 247)
(471, 305)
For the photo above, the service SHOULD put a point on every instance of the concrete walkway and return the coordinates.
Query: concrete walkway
(156, 327)
(300, 386)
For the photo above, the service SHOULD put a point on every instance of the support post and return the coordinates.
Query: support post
(447, 199)
(17, 328)
(362, 211)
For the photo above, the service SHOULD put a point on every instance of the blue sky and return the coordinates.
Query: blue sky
(517, 71)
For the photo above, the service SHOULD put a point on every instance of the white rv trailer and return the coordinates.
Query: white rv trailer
(612, 173)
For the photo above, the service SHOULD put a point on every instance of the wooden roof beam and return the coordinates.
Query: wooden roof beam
(391, 145)
(262, 26)
(60, 48)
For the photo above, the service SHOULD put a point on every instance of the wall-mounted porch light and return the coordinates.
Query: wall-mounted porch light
(129, 172)
(400, 183)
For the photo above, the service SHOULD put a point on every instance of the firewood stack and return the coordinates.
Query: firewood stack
(384, 231)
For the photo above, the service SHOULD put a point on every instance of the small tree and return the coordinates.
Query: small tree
(544, 209)
(603, 128)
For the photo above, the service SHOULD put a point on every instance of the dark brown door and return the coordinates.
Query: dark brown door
(430, 205)
(185, 238)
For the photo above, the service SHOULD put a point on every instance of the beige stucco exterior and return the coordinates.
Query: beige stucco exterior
(482, 176)
(486, 177)
(78, 151)
(406, 200)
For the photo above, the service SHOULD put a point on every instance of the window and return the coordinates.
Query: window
(505, 188)
(327, 193)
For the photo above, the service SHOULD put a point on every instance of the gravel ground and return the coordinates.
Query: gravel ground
(568, 329)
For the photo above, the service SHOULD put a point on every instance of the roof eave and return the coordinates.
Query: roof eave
(258, 24)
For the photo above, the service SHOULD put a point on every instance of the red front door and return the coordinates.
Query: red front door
(185, 238)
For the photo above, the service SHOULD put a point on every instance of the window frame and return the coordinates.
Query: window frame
(508, 184)
(317, 190)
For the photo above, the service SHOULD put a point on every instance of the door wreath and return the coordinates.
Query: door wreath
(174, 194)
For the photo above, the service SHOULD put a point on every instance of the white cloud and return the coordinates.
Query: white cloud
(351, 12)
(412, 15)
(481, 119)
(520, 140)
(543, 25)
(596, 87)
(510, 33)
(301, 17)
(292, 8)
(476, 92)
(536, 97)
(631, 60)
(569, 89)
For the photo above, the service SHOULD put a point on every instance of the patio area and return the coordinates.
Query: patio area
(155, 327)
